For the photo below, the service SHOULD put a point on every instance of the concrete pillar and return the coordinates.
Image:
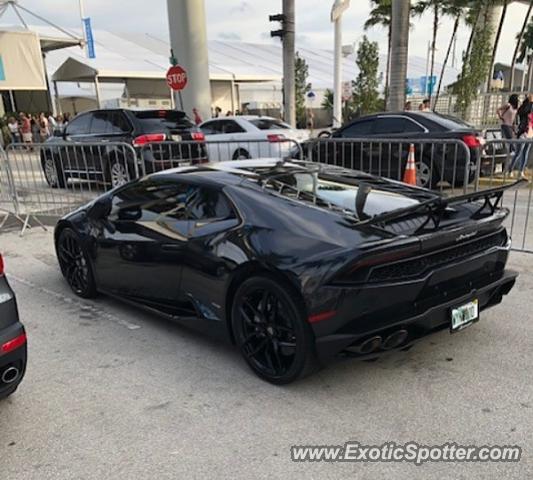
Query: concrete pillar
(188, 40)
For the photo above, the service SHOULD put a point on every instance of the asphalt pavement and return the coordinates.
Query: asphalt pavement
(115, 393)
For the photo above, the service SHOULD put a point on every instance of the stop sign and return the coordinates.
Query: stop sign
(176, 78)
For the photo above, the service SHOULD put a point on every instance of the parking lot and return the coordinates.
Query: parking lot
(112, 392)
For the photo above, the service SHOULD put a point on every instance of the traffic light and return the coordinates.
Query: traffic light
(278, 18)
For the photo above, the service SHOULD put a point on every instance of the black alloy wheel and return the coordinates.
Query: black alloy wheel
(75, 265)
(271, 331)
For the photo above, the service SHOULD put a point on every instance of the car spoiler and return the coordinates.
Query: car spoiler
(436, 206)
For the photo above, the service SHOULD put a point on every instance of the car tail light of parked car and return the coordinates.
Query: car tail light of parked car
(149, 138)
(13, 344)
(471, 141)
(198, 136)
(276, 137)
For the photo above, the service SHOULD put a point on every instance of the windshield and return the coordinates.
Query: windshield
(343, 195)
(269, 124)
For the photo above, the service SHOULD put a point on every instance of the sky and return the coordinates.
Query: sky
(247, 20)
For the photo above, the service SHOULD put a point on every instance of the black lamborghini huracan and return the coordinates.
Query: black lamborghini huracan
(294, 263)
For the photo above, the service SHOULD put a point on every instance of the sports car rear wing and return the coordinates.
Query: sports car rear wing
(435, 207)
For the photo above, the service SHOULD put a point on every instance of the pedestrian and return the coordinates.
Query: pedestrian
(197, 117)
(14, 130)
(44, 131)
(35, 128)
(60, 125)
(425, 106)
(408, 106)
(26, 128)
(520, 159)
(218, 112)
(523, 115)
(310, 121)
(507, 115)
(229, 113)
(66, 118)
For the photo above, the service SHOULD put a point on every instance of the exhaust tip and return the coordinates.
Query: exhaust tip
(395, 340)
(10, 375)
(370, 345)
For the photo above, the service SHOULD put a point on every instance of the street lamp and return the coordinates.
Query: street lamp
(338, 9)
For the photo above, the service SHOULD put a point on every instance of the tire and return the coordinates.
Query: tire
(53, 173)
(118, 172)
(271, 330)
(241, 154)
(75, 264)
(425, 176)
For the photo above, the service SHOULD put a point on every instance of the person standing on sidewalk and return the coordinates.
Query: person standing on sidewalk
(26, 128)
(520, 159)
(14, 130)
(507, 115)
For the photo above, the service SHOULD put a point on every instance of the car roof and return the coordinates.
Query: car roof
(242, 117)
(428, 119)
(221, 173)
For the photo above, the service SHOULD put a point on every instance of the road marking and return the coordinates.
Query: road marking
(86, 307)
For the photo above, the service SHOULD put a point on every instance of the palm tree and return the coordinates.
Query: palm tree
(455, 9)
(496, 42)
(519, 41)
(420, 9)
(525, 48)
(381, 15)
(399, 51)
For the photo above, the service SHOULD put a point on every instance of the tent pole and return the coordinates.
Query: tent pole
(97, 90)
(57, 102)
(233, 93)
(12, 101)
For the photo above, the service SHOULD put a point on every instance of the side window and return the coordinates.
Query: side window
(391, 125)
(100, 124)
(207, 204)
(80, 125)
(119, 123)
(358, 129)
(149, 201)
(212, 128)
(230, 126)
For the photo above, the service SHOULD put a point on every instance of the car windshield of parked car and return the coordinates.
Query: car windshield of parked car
(269, 124)
(343, 195)
(156, 121)
(449, 122)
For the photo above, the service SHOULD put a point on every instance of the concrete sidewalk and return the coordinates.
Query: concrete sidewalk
(114, 393)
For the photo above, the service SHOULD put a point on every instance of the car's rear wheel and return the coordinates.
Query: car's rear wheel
(271, 330)
(117, 171)
(241, 154)
(53, 173)
(75, 264)
(426, 177)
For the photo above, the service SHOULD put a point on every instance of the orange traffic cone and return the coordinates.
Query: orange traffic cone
(409, 176)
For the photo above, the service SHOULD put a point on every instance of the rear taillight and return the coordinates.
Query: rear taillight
(198, 136)
(275, 138)
(13, 344)
(149, 138)
(471, 141)
(1, 265)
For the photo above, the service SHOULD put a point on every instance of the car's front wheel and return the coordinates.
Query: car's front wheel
(75, 264)
(53, 173)
(118, 172)
(271, 330)
(241, 154)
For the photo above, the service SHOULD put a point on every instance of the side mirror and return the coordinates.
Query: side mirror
(100, 208)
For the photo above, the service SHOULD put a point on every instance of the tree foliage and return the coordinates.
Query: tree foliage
(476, 62)
(302, 87)
(366, 86)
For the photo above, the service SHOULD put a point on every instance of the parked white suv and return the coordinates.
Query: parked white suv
(249, 136)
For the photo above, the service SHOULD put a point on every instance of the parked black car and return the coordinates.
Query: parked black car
(12, 339)
(293, 264)
(352, 146)
(74, 153)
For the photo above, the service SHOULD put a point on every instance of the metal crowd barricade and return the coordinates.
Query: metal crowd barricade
(51, 179)
(164, 155)
(497, 169)
(445, 165)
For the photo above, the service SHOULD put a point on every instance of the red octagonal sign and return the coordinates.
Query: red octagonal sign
(176, 78)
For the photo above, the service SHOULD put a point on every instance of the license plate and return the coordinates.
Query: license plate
(465, 315)
(176, 138)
